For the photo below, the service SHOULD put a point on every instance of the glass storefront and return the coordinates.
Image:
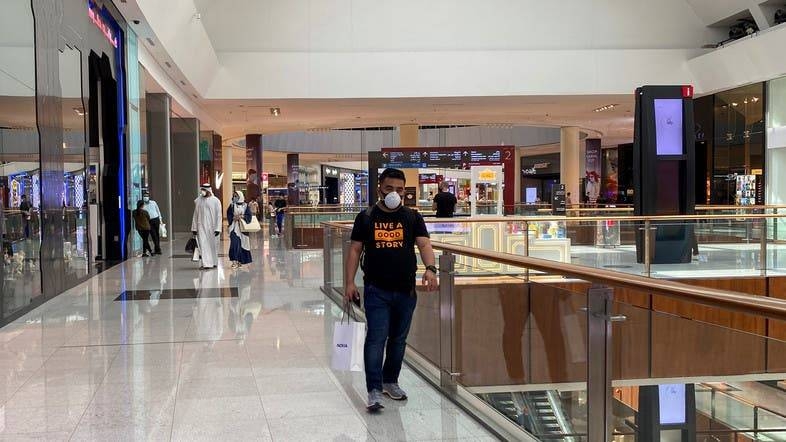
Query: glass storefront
(738, 153)
(20, 165)
(50, 180)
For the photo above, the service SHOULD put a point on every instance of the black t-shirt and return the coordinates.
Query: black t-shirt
(446, 204)
(388, 238)
(279, 204)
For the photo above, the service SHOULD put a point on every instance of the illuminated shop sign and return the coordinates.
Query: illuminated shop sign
(487, 175)
(95, 17)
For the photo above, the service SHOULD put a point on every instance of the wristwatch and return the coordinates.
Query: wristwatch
(432, 268)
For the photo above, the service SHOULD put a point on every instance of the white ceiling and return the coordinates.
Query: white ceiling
(240, 117)
(446, 25)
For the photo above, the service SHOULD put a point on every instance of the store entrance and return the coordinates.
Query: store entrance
(108, 212)
(538, 190)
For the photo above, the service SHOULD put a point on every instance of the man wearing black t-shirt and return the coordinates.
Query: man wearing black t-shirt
(386, 235)
(444, 202)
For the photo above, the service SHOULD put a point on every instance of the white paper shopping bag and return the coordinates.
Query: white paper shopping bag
(348, 340)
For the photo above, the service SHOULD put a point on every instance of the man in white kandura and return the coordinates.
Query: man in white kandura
(206, 226)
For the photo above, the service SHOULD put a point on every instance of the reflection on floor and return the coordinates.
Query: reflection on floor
(253, 367)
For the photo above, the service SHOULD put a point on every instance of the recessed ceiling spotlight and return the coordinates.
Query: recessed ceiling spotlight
(79, 111)
(275, 111)
(734, 104)
(150, 41)
(168, 64)
(606, 107)
(755, 99)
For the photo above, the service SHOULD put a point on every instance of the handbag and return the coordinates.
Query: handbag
(162, 231)
(250, 227)
(191, 245)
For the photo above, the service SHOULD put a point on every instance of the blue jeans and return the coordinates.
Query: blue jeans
(388, 317)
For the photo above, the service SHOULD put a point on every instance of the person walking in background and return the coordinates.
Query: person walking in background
(271, 210)
(155, 221)
(206, 226)
(254, 206)
(445, 202)
(386, 235)
(24, 207)
(142, 224)
(281, 209)
(239, 242)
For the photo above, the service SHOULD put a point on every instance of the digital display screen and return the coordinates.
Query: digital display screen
(668, 126)
(672, 404)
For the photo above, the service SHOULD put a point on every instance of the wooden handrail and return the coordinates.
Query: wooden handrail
(728, 300)
(632, 218)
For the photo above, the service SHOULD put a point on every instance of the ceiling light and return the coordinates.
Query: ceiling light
(606, 107)
(755, 99)
(168, 65)
(79, 111)
(275, 111)
(150, 41)
(735, 104)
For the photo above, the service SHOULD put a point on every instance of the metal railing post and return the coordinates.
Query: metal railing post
(647, 248)
(327, 258)
(526, 246)
(447, 281)
(599, 353)
(763, 248)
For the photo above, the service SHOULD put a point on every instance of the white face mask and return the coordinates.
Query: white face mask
(203, 192)
(392, 200)
(146, 199)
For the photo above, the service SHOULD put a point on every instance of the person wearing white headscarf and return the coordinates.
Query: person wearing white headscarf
(239, 242)
(206, 226)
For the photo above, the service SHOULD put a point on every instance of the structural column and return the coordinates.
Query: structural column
(253, 165)
(570, 160)
(185, 171)
(159, 155)
(293, 179)
(408, 135)
(226, 181)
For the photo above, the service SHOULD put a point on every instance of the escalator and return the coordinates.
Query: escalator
(538, 412)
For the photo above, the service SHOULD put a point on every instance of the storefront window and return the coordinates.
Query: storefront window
(20, 167)
(136, 166)
(74, 193)
(738, 168)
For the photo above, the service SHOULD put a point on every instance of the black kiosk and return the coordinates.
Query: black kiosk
(663, 170)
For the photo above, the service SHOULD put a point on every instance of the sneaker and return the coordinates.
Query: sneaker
(374, 401)
(394, 392)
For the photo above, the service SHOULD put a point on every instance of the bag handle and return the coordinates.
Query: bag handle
(347, 312)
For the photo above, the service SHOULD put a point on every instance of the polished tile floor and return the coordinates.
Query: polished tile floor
(86, 366)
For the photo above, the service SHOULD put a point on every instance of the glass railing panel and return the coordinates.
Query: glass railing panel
(706, 248)
(520, 346)
(770, 420)
(604, 244)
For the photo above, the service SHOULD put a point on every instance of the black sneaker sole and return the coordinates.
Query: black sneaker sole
(399, 398)
(374, 407)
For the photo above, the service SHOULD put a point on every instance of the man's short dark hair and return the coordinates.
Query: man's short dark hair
(390, 172)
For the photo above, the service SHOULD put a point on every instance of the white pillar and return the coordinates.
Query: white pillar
(570, 160)
(226, 181)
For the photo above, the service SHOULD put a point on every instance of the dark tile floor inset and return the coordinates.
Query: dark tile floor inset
(146, 295)
(189, 256)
